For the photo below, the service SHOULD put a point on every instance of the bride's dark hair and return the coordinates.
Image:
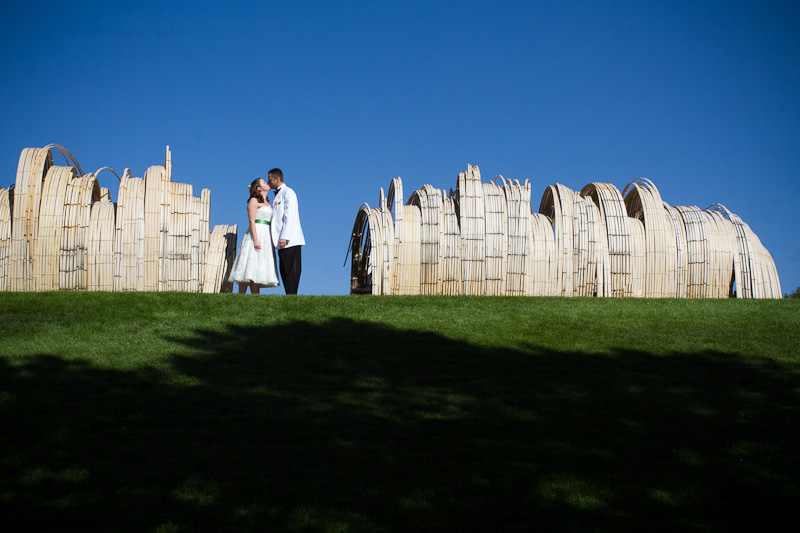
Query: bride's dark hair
(255, 193)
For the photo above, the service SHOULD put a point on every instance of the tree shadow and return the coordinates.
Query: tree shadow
(354, 426)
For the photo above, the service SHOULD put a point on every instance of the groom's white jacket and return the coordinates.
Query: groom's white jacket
(286, 218)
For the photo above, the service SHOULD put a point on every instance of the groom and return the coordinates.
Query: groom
(287, 235)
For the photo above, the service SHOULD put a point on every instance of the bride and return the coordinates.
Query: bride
(255, 262)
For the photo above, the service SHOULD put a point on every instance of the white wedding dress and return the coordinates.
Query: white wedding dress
(257, 266)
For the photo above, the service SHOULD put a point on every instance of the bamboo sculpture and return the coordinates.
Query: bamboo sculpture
(482, 239)
(60, 230)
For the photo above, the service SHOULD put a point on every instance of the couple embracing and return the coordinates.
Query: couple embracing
(272, 226)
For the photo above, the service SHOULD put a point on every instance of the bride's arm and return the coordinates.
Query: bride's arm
(252, 207)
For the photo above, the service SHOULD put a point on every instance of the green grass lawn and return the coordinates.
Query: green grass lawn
(176, 412)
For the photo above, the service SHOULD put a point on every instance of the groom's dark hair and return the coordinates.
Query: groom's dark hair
(276, 173)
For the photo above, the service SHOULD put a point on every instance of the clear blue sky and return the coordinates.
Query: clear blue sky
(701, 97)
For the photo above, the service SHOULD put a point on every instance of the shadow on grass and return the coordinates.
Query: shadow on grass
(351, 426)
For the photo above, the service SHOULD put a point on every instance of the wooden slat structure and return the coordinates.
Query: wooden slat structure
(472, 221)
(5, 237)
(407, 236)
(483, 239)
(31, 170)
(518, 211)
(387, 265)
(429, 202)
(450, 247)
(203, 231)
(51, 227)
(60, 230)
(543, 258)
(394, 203)
(757, 276)
(558, 202)
(643, 202)
(81, 193)
(619, 272)
(496, 235)
(364, 264)
(372, 242)
(638, 257)
(221, 254)
(129, 237)
(100, 245)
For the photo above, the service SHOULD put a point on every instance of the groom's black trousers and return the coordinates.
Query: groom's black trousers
(290, 268)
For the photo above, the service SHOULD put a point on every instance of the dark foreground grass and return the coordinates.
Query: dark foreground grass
(174, 412)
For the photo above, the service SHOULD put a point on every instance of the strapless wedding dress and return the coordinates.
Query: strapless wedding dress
(257, 266)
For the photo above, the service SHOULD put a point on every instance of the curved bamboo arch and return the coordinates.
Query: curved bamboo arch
(129, 234)
(757, 276)
(31, 170)
(394, 202)
(394, 198)
(110, 170)
(612, 210)
(80, 195)
(558, 202)
(67, 156)
(544, 264)
(429, 201)
(643, 202)
(362, 264)
(100, 245)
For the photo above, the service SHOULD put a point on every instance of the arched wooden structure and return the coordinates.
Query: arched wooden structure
(483, 239)
(60, 230)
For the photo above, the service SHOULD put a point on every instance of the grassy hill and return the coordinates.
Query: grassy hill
(176, 412)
